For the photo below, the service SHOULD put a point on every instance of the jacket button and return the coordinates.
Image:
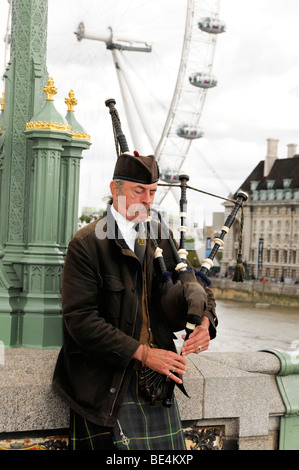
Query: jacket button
(128, 324)
(112, 390)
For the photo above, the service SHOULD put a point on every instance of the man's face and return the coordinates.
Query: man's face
(135, 199)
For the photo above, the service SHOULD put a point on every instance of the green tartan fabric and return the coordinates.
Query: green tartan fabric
(139, 426)
(85, 435)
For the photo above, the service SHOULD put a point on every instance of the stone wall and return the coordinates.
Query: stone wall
(256, 292)
(234, 400)
(237, 393)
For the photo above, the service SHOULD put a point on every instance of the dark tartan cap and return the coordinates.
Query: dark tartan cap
(136, 168)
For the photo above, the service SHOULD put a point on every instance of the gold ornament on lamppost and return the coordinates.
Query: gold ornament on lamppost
(48, 118)
(71, 101)
(50, 90)
(77, 130)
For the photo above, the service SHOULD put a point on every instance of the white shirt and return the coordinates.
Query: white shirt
(127, 228)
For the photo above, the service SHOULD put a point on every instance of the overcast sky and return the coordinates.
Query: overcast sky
(256, 64)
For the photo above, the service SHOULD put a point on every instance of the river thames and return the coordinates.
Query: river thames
(244, 327)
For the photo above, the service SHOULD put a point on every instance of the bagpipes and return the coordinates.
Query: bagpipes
(188, 289)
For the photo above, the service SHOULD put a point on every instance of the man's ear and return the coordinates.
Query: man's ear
(113, 188)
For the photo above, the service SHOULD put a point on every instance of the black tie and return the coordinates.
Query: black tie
(140, 242)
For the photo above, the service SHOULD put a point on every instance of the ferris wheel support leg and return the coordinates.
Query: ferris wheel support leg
(134, 95)
(127, 101)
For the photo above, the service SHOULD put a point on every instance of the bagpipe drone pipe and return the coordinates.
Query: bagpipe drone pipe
(184, 292)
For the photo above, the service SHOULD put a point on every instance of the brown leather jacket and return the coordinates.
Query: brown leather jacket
(102, 312)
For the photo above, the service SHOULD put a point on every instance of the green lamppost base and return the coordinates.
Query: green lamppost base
(42, 331)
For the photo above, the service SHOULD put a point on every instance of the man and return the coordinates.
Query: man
(113, 324)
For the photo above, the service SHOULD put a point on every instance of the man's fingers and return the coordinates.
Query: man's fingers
(174, 377)
(199, 337)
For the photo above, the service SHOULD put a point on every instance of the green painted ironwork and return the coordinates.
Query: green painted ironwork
(40, 156)
(288, 384)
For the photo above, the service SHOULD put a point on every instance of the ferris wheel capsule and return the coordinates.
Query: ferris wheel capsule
(189, 132)
(202, 80)
(212, 25)
(169, 175)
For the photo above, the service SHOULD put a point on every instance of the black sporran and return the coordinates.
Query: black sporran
(152, 385)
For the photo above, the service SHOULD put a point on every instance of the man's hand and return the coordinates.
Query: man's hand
(198, 340)
(164, 362)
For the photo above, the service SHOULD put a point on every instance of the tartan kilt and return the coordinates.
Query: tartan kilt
(139, 426)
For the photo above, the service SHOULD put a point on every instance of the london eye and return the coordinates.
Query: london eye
(194, 79)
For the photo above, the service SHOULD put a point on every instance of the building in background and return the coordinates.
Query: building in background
(206, 235)
(271, 220)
